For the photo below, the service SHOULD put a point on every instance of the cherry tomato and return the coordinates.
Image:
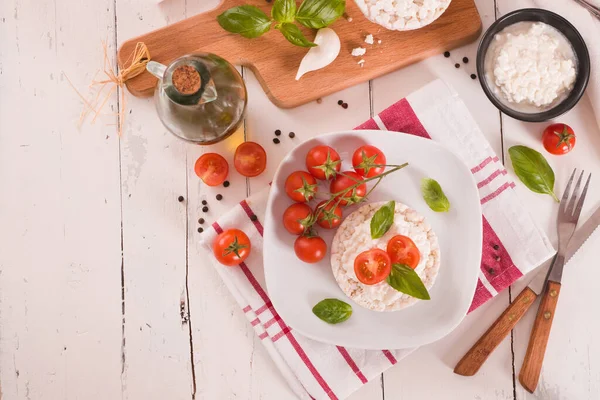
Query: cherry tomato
(323, 162)
(231, 247)
(212, 168)
(310, 249)
(345, 180)
(372, 266)
(558, 139)
(250, 159)
(296, 218)
(301, 186)
(368, 161)
(329, 217)
(402, 250)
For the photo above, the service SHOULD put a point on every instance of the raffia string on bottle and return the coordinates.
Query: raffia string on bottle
(103, 89)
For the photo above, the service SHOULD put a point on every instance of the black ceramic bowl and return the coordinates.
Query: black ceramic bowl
(572, 35)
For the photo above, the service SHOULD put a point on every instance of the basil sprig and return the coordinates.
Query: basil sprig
(434, 195)
(318, 14)
(404, 279)
(533, 170)
(248, 21)
(252, 22)
(332, 311)
(382, 220)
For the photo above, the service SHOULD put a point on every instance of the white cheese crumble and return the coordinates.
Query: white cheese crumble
(369, 39)
(361, 63)
(403, 15)
(354, 236)
(359, 51)
(530, 64)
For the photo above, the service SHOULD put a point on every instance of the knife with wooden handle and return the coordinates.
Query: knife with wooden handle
(476, 356)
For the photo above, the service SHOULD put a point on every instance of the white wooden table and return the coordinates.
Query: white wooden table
(105, 292)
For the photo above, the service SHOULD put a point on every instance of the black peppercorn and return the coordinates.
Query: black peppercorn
(496, 247)
(204, 209)
(465, 60)
(219, 197)
(457, 65)
(345, 106)
(277, 132)
(226, 184)
(446, 54)
(204, 202)
(492, 271)
(497, 258)
(340, 102)
(473, 76)
(276, 141)
(200, 230)
(201, 221)
(253, 218)
(180, 198)
(292, 135)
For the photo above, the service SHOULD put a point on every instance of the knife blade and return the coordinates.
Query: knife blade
(580, 236)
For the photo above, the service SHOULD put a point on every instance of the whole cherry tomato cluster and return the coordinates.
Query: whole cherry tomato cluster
(323, 163)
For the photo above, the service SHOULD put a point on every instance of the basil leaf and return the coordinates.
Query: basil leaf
(294, 35)
(318, 14)
(434, 195)
(533, 170)
(248, 21)
(332, 311)
(404, 279)
(284, 10)
(382, 220)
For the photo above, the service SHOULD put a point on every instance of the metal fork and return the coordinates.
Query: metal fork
(568, 215)
(595, 11)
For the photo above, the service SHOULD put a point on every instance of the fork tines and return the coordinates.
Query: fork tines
(571, 210)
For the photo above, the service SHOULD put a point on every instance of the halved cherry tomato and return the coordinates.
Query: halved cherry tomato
(212, 168)
(323, 162)
(296, 218)
(368, 161)
(250, 159)
(345, 180)
(310, 249)
(329, 217)
(558, 139)
(372, 266)
(301, 186)
(402, 250)
(231, 247)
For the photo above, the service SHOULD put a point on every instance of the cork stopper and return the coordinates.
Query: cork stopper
(186, 80)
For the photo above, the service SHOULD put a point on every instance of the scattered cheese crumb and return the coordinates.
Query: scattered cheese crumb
(369, 39)
(349, 19)
(359, 51)
(361, 63)
(379, 41)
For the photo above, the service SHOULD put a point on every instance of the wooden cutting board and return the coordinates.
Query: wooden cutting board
(275, 62)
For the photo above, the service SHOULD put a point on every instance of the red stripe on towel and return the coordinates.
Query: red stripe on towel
(390, 356)
(251, 214)
(496, 192)
(490, 178)
(401, 118)
(263, 295)
(352, 364)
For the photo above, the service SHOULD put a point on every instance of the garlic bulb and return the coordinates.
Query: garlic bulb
(320, 56)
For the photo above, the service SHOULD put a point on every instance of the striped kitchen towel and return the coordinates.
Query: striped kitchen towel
(317, 370)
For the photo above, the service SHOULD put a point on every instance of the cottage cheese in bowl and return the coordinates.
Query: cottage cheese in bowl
(354, 236)
(530, 66)
(403, 15)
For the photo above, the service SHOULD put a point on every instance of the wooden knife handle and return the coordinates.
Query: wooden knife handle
(532, 365)
(476, 356)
